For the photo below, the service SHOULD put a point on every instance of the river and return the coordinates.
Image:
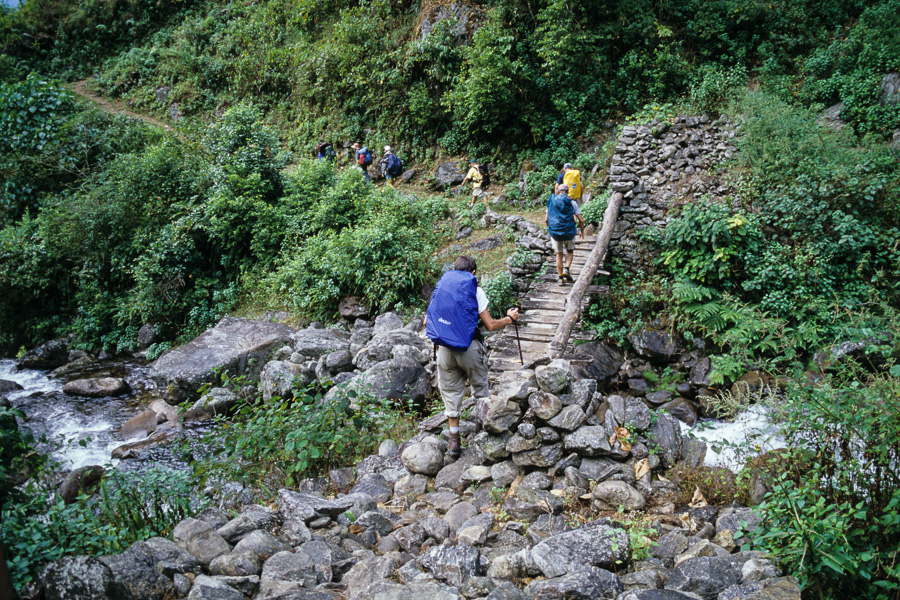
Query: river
(83, 431)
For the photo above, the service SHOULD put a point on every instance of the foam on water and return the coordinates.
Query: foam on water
(752, 429)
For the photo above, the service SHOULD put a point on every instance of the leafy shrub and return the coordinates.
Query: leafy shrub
(714, 87)
(838, 529)
(593, 211)
(282, 440)
(131, 506)
(500, 293)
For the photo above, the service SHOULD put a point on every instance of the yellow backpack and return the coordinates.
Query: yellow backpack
(572, 178)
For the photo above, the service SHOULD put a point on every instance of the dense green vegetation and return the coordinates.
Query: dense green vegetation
(108, 223)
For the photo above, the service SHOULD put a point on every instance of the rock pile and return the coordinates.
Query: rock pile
(658, 165)
(529, 511)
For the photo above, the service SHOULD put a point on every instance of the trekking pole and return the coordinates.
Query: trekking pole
(518, 341)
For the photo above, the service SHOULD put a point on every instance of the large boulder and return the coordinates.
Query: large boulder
(81, 578)
(200, 540)
(277, 379)
(585, 584)
(7, 386)
(314, 342)
(80, 480)
(604, 364)
(97, 388)
(394, 379)
(136, 569)
(216, 401)
(239, 346)
(453, 564)
(54, 353)
(423, 458)
(383, 347)
(598, 544)
(654, 341)
(705, 576)
(447, 174)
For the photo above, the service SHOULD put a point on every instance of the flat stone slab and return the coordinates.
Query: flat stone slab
(239, 346)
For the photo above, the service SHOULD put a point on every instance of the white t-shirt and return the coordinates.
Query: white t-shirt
(482, 299)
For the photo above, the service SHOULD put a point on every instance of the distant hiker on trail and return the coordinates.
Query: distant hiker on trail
(363, 159)
(477, 175)
(451, 322)
(572, 178)
(560, 220)
(325, 151)
(391, 166)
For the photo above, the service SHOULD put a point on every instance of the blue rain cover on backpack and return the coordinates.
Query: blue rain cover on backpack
(394, 166)
(453, 311)
(561, 217)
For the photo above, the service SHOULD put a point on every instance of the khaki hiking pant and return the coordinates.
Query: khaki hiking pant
(454, 368)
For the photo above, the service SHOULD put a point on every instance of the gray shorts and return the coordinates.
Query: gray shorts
(454, 368)
(560, 246)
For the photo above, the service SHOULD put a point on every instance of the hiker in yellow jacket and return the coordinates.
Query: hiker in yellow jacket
(572, 178)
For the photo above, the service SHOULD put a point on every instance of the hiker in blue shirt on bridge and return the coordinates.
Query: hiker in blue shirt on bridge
(560, 220)
(457, 304)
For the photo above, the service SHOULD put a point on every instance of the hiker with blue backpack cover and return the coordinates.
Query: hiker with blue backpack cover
(391, 166)
(451, 322)
(562, 212)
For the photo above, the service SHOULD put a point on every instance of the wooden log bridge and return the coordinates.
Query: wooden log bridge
(550, 312)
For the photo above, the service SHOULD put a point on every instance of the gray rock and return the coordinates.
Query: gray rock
(9, 386)
(306, 507)
(537, 480)
(447, 174)
(493, 447)
(585, 584)
(705, 576)
(81, 578)
(426, 459)
(569, 418)
(314, 342)
(295, 532)
(597, 544)
(414, 591)
(666, 433)
(389, 343)
(410, 537)
(99, 387)
(238, 346)
(504, 473)
(617, 495)
(554, 378)
(388, 321)
(277, 379)
(54, 353)
(474, 531)
(736, 520)
(831, 117)
(669, 546)
(544, 456)
(394, 379)
(476, 474)
(261, 543)
(387, 448)
(682, 409)
(544, 404)
(600, 469)
(375, 485)
(80, 480)
(655, 342)
(637, 414)
(588, 440)
(506, 591)
(514, 385)
(517, 443)
(459, 514)
(235, 564)
(656, 595)
(210, 588)
(436, 528)
(453, 564)
(252, 517)
(296, 567)
(136, 570)
(501, 415)
(200, 540)
(411, 486)
(604, 364)
(216, 401)
(353, 308)
(781, 588)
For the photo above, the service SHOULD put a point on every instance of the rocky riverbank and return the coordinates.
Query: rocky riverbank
(563, 491)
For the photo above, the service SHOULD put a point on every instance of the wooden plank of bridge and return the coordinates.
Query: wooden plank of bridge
(542, 309)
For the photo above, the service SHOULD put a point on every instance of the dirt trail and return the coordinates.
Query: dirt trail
(113, 106)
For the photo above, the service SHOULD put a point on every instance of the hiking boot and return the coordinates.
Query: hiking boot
(453, 445)
(568, 276)
(562, 280)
